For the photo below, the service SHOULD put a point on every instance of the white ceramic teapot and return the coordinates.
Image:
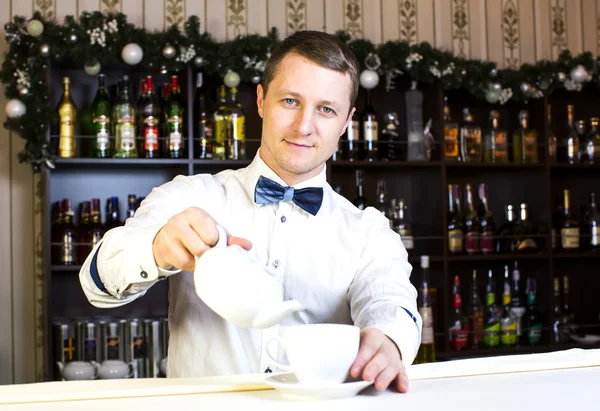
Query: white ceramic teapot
(113, 369)
(78, 370)
(240, 289)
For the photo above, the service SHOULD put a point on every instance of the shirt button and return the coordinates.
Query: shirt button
(268, 370)
(276, 263)
(283, 219)
(144, 274)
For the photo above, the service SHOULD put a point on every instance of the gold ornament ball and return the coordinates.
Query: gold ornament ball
(92, 69)
(231, 79)
(35, 28)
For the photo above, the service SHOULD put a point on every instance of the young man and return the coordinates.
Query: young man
(344, 265)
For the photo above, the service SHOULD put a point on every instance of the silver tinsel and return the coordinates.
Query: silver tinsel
(72, 38)
(169, 52)
(45, 50)
(198, 61)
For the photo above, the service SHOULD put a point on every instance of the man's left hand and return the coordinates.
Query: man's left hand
(379, 359)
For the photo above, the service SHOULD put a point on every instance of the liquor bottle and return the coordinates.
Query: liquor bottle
(131, 205)
(113, 216)
(477, 315)
(525, 139)
(592, 225)
(370, 130)
(96, 230)
(351, 139)
(69, 236)
(456, 231)
(557, 217)
(381, 203)
(558, 319)
(83, 228)
(125, 125)
(426, 351)
(414, 123)
(505, 236)
(495, 143)
(101, 121)
(139, 201)
(451, 143)
(567, 314)
(569, 230)
(570, 151)
(472, 225)
(403, 227)
(517, 304)
(591, 150)
(67, 121)
(360, 201)
(486, 221)
(491, 331)
(508, 323)
(533, 320)
(389, 146)
(459, 324)
(149, 123)
(220, 124)
(470, 139)
(55, 231)
(524, 240)
(552, 141)
(174, 112)
(236, 150)
(204, 124)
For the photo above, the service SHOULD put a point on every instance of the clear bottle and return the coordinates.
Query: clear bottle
(558, 319)
(571, 154)
(505, 236)
(472, 225)
(220, 117)
(414, 120)
(495, 143)
(569, 230)
(470, 139)
(456, 231)
(237, 118)
(204, 123)
(525, 141)
(518, 304)
(124, 120)
(524, 240)
(403, 227)
(592, 225)
(67, 122)
(486, 221)
(370, 130)
(381, 203)
(426, 351)
(360, 201)
(592, 143)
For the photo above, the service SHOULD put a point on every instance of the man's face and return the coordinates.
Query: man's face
(304, 114)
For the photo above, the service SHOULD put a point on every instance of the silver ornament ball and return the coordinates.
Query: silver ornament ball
(15, 108)
(246, 59)
(169, 52)
(525, 88)
(231, 79)
(72, 38)
(92, 68)
(579, 74)
(35, 28)
(493, 73)
(256, 79)
(369, 79)
(45, 50)
(198, 61)
(132, 54)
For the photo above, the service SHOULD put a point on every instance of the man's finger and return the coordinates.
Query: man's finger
(375, 366)
(242, 242)
(402, 380)
(369, 345)
(385, 377)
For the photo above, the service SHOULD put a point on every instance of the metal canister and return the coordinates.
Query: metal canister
(165, 333)
(88, 341)
(135, 347)
(65, 343)
(154, 339)
(112, 348)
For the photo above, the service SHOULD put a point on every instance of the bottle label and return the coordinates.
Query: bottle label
(427, 330)
(552, 149)
(472, 139)
(473, 242)
(370, 128)
(69, 349)
(518, 313)
(508, 333)
(569, 237)
(455, 240)
(487, 242)
(96, 237)
(534, 334)
(459, 337)
(239, 128)
(151, 133)
(112, 348)
(491, 335)
(595, 237)
(407, 240)
(126, 132)
(477, 324)
(66, 143)
(102, 133)
(352, 132)
(501, 149)
(451, 142)
(139, 347)
(68, 250)
(530, 141)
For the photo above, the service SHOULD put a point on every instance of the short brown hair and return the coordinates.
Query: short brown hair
(321, 48)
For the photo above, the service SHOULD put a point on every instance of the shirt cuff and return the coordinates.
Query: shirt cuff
(405, 333)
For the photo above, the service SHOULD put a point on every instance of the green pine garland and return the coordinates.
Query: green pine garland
(69, 45)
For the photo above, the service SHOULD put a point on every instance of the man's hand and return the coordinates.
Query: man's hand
(379, 359)
(187, 235)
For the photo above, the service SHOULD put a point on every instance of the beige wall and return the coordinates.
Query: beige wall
(509, 32)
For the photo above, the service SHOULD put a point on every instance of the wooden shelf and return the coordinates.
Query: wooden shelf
(119, 161)
(498, 257)
(458, 164)
(561, 255)
(65, 268)
(565, 166)
(384, 164)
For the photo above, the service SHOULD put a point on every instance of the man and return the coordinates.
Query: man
(344, 265)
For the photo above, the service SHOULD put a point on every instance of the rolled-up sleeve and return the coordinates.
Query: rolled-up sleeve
(381, 295)
(121, 268)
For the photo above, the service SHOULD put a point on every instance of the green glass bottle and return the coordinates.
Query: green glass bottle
(101, 119)
(175, 142)
(491, 325)
(125, 127)
(220, 118)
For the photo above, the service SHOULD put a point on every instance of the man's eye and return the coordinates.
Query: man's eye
(327, 110)
(290, 101)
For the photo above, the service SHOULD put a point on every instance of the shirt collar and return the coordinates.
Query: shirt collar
(259, 168)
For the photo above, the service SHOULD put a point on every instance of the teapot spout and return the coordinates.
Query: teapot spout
(272, 315)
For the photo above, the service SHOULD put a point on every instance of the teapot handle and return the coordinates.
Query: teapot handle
(131, 369)
(285, 367)
(96, 369)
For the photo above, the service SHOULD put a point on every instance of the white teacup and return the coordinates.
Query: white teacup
(318, 353)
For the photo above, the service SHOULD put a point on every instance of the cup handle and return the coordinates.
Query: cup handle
(280, 340)
(131, 369)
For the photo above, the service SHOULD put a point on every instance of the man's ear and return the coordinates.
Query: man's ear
(260, 99)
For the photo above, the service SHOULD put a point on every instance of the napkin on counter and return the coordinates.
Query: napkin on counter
(573, 358)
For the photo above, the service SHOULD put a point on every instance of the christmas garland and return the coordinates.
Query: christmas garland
(97, 39)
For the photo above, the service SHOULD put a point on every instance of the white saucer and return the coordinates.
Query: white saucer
(290, 388)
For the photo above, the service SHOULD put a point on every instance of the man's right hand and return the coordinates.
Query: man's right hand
(188, 235)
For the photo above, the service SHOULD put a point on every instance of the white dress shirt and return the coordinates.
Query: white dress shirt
(344, 265)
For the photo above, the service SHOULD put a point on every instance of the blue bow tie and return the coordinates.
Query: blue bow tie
(268, 191)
